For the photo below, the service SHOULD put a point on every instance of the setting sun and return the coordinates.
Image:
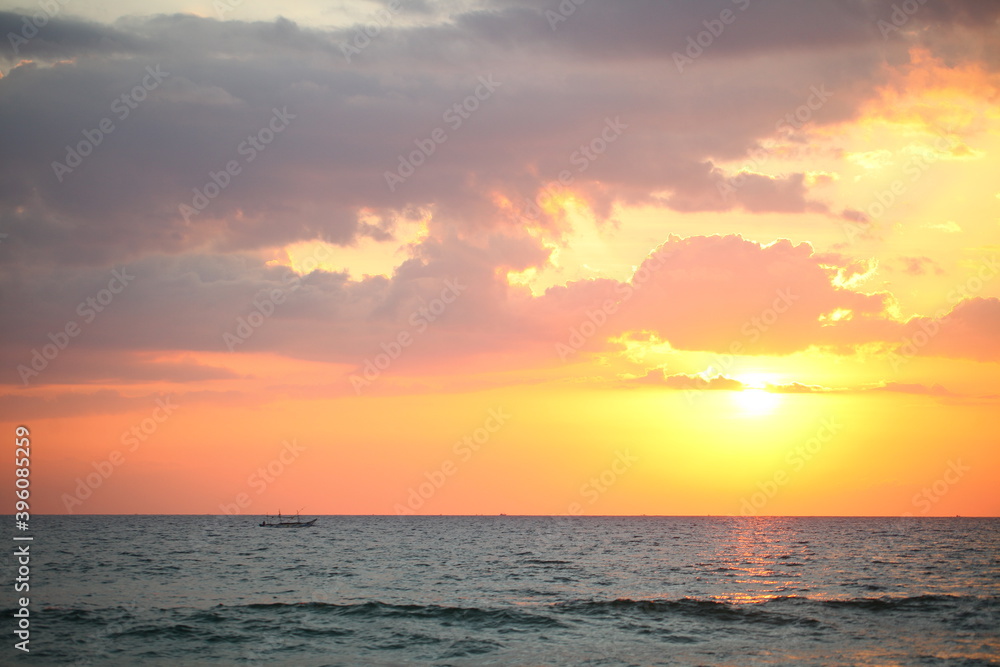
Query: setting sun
(756, 402)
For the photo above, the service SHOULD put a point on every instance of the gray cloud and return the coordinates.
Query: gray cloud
(353, 120)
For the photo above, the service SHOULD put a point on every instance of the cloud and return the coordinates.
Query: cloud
(86, 364)
(797, 388)
(682, 381)
(353, 122)
(895, 387)
(948, 227)
(912, 388)
(728, 294)
(62, 404)
(720, 294)
(971, 330)
(349, 123)
(918, 266)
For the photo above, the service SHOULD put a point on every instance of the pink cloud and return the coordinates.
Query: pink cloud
(720, 293)
(970, 331)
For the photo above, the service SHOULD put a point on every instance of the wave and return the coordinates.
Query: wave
(770, 610)
(911, 603)
(374, 610)
(240, 623)
(690, 607)
(377, 608)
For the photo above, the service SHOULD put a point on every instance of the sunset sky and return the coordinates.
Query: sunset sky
(500, 256)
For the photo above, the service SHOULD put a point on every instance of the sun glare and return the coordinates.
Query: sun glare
(756, 402)
(757, 380)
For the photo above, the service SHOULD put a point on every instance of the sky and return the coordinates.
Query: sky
(495, 256)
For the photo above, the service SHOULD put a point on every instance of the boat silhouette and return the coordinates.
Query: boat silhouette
(286, 522)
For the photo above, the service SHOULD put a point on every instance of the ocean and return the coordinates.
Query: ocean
(385, 590)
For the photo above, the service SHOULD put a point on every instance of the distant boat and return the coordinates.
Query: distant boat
(286, 522)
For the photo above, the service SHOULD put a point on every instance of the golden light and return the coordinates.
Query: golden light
(558, 204)
(757, 380)
(835, 316)
(754, 400)
(524, 278)
(365, 257)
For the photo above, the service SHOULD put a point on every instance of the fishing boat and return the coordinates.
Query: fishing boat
(286, 522)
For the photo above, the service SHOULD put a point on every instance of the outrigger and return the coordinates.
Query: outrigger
(286, 522)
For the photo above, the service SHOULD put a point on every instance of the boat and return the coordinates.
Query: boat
(286, 522)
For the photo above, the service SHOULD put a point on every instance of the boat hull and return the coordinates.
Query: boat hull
(287, 524)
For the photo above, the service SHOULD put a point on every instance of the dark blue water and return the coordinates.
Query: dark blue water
(181, 590)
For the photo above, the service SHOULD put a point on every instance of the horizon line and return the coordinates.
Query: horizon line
(576, 516)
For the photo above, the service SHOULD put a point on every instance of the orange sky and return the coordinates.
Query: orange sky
(765, 285)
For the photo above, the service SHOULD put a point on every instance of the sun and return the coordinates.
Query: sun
(754, 399)
(756, 402)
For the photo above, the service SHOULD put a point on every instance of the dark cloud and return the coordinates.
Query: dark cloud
(59, 38)
(353, 121)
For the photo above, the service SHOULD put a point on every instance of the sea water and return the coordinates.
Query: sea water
(191, 590)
